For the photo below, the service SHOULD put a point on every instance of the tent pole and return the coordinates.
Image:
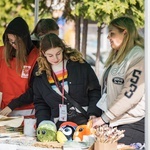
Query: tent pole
(147, 73)
(36, 11)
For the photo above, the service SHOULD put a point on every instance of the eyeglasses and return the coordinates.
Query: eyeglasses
(12, 42)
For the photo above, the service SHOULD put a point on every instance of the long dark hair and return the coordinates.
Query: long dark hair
(19, 28)
(44, 26)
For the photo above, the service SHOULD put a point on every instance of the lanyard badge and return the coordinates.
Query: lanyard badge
(62, 112)
(62, 107)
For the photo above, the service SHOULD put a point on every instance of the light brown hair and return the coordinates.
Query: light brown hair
(131, 39)
(52, 41)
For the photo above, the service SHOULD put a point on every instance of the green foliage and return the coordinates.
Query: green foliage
(103, 11)
(24, 8)
(11, 9)
(100, 11)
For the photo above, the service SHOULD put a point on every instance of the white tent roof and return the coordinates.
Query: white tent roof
(147, 66)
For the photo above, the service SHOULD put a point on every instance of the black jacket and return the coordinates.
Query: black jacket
(83, 87)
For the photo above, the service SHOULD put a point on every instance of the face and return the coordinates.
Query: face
(12, 40)
(46, 131)
(54, 55)
(115, 37)
(45, 134)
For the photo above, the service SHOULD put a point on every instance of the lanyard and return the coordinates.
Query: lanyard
(58, 84)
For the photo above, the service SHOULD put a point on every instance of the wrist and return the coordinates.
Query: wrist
(105, 118)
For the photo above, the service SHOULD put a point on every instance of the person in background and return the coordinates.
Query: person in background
(44, 26)
(17, 60)
(123, 101)
(69, 34)
(61, 21)
(60, 64)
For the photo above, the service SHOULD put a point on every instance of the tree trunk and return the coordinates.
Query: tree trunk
(77, 32)
(84, 37)
(97, 64)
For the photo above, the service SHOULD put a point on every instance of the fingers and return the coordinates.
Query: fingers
(97, 122)
(3, 113)
(6, 111)
(92, 117)
(94, 122)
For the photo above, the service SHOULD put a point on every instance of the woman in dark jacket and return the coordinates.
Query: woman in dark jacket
(58, 65)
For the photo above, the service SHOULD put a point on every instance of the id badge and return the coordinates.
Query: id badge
(102, 103)
(25, 71)
(62, 112)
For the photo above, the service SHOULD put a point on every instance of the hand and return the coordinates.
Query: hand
(97, 122)
(92, 117)
(6, 111)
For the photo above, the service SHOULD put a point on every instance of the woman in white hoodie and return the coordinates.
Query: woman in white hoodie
(123, 101)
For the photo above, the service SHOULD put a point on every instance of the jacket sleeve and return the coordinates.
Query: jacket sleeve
(42, 110)
(131, 93)
(27, 97)
(94, 93)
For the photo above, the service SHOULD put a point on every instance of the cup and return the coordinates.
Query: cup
(105, 146)
(29, 127)
(0, 98)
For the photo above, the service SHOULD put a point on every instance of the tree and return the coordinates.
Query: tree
(99, 11)
(103, 11)
(11, 9)
(24, 8)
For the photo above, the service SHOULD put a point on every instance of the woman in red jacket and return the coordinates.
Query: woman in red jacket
(17, 60)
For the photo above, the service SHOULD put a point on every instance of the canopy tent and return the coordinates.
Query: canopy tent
(147, 66)
(36, 11)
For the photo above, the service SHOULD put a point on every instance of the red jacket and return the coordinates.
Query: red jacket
(12, 84)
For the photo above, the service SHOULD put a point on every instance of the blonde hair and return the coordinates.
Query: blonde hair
(52, 41)
(131, 39)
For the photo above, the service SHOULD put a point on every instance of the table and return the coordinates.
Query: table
(18, 147)
(21, 143)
